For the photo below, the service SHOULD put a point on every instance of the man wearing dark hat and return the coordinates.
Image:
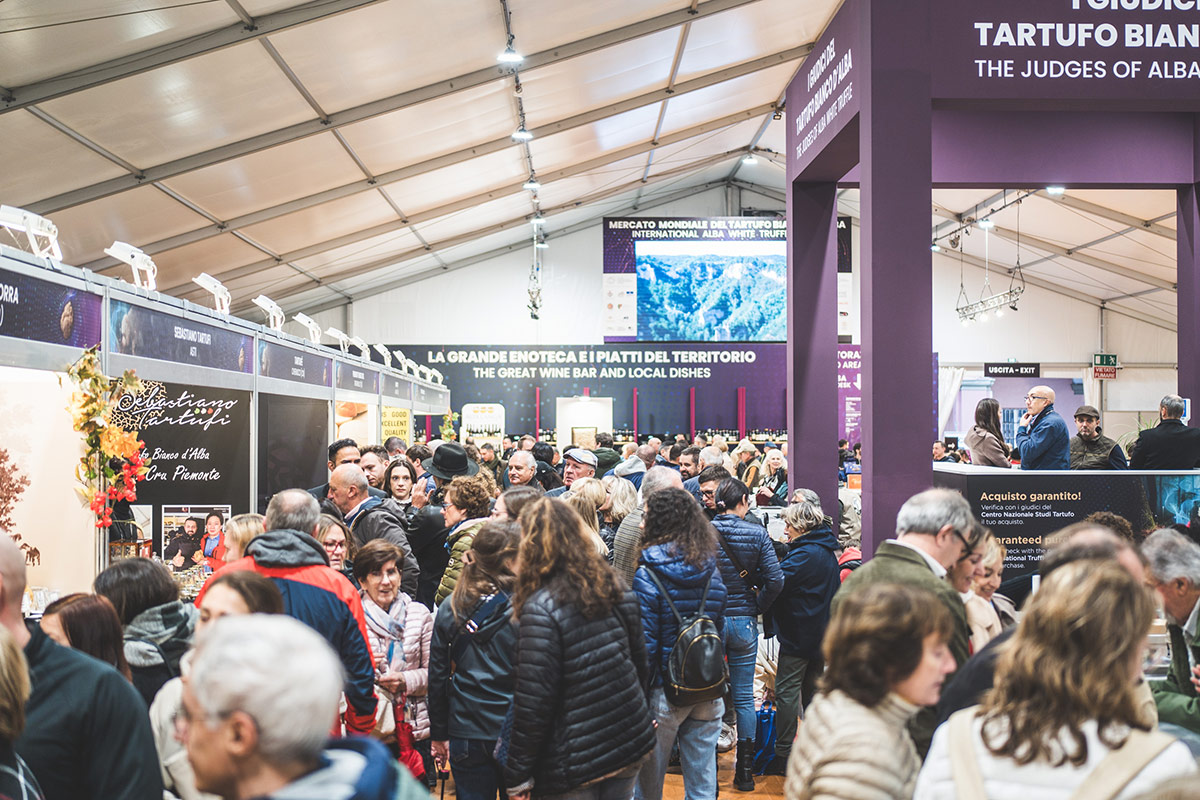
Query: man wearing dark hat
(1091, 449)
(427, 528)
(577, 463)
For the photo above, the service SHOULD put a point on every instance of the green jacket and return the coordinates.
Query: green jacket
(1175, 697)
(606, 459)
(458, 542)
(895, 563)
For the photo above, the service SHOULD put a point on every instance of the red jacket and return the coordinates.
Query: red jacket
(217, 559)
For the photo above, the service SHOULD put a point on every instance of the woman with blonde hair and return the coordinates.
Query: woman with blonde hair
(982, 614)
(16, 779)
(586, 496)
(581, 721)
(1063, 719)
(621, 499)
(238, 533)
(340, 546)
(886, 655)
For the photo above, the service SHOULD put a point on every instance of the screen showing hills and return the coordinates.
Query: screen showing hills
(711, 291)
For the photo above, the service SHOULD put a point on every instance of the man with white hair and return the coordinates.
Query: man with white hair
(87, 734)
(263, 734)
(708, 457)
(1174, 572)
(522, 468)
(1042, 440)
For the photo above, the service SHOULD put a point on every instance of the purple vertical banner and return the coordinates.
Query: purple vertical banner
(850, 393)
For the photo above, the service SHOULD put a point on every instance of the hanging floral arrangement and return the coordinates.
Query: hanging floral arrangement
(447, 427)
(113, 461)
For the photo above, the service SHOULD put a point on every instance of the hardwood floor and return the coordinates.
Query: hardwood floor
(764, 788)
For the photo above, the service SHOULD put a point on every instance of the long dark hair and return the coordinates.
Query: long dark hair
(673, 518)
(92, 626)
(557, 554)
(400, 463)
(134, 585)
(987, 416)
(487, 566)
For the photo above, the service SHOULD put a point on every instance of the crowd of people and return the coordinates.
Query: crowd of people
(1043, 442)
(570, 625)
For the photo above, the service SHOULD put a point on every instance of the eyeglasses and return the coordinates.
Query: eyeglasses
(967, 548)
(712, 493)
(1035, 397)
(332, 546)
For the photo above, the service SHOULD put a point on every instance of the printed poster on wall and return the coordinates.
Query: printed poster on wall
(198, 442)
(42, 311)
(397, 422)
(681, 279)
(850, 393)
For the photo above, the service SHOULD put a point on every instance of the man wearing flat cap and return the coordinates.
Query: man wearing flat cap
(1091, 449)
(577, 463)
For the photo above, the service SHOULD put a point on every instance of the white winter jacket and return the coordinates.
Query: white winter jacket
(409, 625)
(1004, 780)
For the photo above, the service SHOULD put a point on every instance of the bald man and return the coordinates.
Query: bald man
(1042, 440)
(87, 734)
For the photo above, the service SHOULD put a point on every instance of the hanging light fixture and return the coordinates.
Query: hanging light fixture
(510, 55)
(521, 134)
(531, 184)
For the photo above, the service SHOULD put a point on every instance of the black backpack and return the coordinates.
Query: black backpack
(696, 668)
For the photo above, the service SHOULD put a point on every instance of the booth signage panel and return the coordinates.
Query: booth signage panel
(431, 398)
(288, 364)
(1065, 49)
(662, 373)
(198, 442)
(42, 311)
(850, 392)
(823, 98)
(1012, 370)
(137, 331)
(397, 387)
(355, 378)
(396, 422)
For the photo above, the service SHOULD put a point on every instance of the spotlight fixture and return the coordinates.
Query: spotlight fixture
(401, 361)
(541, 243)
(314, 327)
(412, 366)
(275, 316)
(521, 134)
(208, 283)
(1055, 191)
(778, 115)
(531, 184)
(537, 220)
(749, 159)
(144, 269)
(979, 310)
(35, 228)
(383, 351)
(986, 224)
(425, 373)
(343, 339)
(435, 375)
(935, 247)
(510, 54)
(363, 350)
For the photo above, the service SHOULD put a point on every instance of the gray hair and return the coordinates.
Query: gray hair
(1173, 405)
(711, 456)
(804, 516)
(293, 510)
(351, 476)
(934, 509)
(1172, 555)
(277, 670)
(809, 496)
(658, 478)
(524, 458)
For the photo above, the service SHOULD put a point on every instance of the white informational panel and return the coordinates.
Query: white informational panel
(581, 418)
(38, 456)
(482, 422)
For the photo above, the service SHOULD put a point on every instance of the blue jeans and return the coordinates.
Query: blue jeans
(477, 776)
(696, 728)
(617, 787)
(741, 651)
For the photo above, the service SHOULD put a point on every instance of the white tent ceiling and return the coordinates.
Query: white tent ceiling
(323, 151)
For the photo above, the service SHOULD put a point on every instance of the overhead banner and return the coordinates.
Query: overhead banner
(198, 442)
(137, 331)
(286, 363)
(661, 373)
(682, 279)
(41, 311)
(354, 378)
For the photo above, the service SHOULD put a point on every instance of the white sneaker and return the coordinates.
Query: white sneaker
(727, 739)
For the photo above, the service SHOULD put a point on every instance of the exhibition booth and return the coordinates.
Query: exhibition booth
(229, 411)
(1016, 95)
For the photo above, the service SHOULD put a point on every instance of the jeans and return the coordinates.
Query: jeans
(477, 776)
(741, 650)
(795, 685)
(617, 787)
(696, 728)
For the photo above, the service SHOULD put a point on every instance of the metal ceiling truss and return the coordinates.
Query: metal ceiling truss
(201, 44)
(516, 222)
(413, 97)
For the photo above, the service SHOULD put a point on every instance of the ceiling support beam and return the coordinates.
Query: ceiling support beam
(1130, 221)
(387, 105)
(615, 156)
(174, 52)
(1058, 251)
(400, 283)
(227, 276)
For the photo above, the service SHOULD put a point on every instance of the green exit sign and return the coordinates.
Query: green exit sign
(1104, 360)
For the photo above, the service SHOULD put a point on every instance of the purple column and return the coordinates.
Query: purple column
(1188, 296)
(897, 274)
(812, 340)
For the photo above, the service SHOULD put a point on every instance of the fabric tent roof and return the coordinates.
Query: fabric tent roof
(327, 150)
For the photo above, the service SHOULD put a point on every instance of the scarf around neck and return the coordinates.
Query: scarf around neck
(388, 625)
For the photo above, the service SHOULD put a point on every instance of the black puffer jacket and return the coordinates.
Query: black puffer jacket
(752, 548)
(580, 702)
(427, 536)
